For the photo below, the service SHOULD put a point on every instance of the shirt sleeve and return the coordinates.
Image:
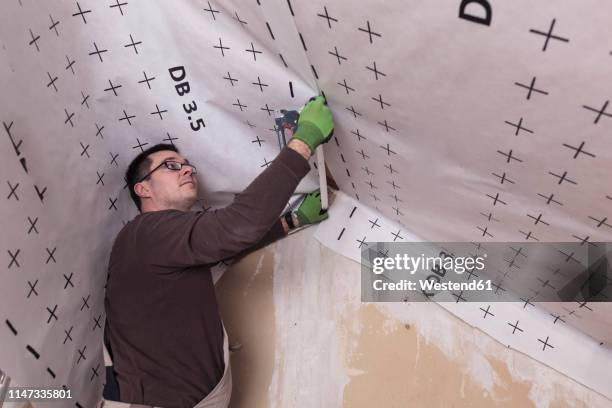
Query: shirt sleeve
(173, 239)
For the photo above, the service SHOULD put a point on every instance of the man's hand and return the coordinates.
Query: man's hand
(315, 124)
(310, 212)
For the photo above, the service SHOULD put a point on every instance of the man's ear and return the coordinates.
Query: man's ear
(142, 190)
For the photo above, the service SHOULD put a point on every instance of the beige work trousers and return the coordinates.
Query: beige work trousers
(219, 397)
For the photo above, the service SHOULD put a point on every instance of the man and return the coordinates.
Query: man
(163, 329)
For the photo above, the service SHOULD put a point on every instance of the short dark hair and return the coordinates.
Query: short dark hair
(140, 166)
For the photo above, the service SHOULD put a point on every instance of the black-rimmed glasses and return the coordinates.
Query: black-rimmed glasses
(170, 165)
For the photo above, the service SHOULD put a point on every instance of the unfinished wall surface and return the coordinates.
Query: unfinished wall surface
(303, 338)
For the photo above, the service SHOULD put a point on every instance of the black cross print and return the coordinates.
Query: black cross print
(127, 117)
(601, 112)
(363, 155)
(361, 242)
(212, 11)
(68, 332)
(369, 31)
(391, 169)
(84, 152)
(396, 235)
(509, 156)
(498, 287)
(258, 141)
(388, 150)
(113, 87)
(54, 25)
(486, 312)
(375, 198)
(376, 71)
(133, 44)
(13, 191)
(545, 283)
(70, 64)
(327, 17)
(338, 56)
(69, 118)
(112, 203)
(266, 163)
(95, 372)
(584, 240)
(386, 125)
(512, 263)
(52, 81)
(84, 101)
(229, 78)
(396, 198)
(345, 86)
(34, 40)
(33, 225)
(562, 178)
(99, 131)
(81, 13)
(568, 257)
(367, 170)
(527, 302)
(32, 288)
(85, 302)
(170, 139)
(41, 194)
(545, 342)
(372, 186)
(374, 223)
(221, 47)
(259, 84)
(601, 222)
(353, 111)
(518, 126)
(159, 112)
(392, 183)
(459, 297)
(118, 5)
(81, 354)
(380, 100)
(397, 211)
(515, 327)
(549, 35)
(238, 104)
(245, 23)
(578, 150)
(147, 80)
(267, 109)
(114, 158)
(68, 280)
(98, 52)
(485, 231)
(538, 219)
(531, 88)
(97, 323)
(489, 216)
(528, 235)
(470, 273)
(51, 254)
(14, 259)
(496, 199)
(52, 314)
(557, 317)
(584, 304)
(359, 135)
(549, 199)
(254, 52)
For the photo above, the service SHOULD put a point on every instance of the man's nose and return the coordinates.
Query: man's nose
(187, 170)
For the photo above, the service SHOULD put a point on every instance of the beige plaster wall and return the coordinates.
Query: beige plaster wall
(304, 339)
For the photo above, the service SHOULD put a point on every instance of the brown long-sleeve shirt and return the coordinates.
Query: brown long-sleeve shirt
(163, 323)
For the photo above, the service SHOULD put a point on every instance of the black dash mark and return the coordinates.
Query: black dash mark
(11, 327)
(283, 59)
(303, 43)
(314, 71)
(291, 89)
(353, 211)
(34, 352)
(348, 173)
(270, 31)
(78, 405)
(51, 373)
(290, 8)
(341, 232)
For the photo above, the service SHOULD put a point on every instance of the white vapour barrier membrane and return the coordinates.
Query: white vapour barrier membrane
(451, 128)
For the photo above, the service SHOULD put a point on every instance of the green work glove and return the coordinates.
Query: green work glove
(310, 212)
(315, 124)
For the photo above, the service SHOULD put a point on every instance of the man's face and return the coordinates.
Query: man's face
(167, 188)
